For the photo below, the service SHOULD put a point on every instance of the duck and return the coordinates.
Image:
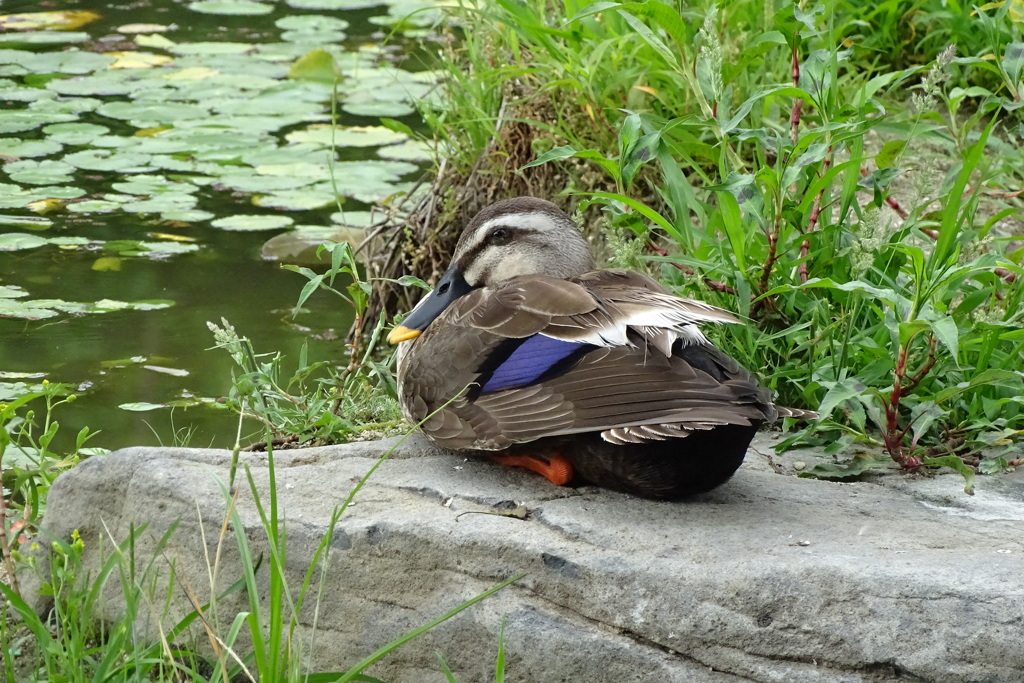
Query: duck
(525, 351)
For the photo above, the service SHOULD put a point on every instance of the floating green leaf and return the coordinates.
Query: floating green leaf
(75, 133)
(253, 222)
(46, 172)
(186, 215)
(72, 61)
(333, 4)
(311, 22)
(152, 114)
(107, 160)
(43, 38)
(141, 406)
(18, 120)
(411, 150)
(30, 222)
(16, 241)
(346, 136)
(299, 246)
(317, 65)
(316, 197)
(29, 148)
(153, 184)
(231, 7)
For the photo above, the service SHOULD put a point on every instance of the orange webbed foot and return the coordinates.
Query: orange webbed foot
(556, 468)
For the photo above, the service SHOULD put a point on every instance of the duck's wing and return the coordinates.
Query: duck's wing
(611, 352)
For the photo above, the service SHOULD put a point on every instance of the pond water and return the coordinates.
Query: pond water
(148, 155)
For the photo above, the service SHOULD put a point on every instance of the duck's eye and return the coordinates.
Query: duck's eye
(500, 235)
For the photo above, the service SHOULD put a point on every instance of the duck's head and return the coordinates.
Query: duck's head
(521, 236)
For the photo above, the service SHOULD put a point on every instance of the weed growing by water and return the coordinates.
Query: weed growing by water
(319, 402)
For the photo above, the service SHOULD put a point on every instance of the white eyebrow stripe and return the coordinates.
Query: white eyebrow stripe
(536, 221)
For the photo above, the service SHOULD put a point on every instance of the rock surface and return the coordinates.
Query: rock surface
(768, 578)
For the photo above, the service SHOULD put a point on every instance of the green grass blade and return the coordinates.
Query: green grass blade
(951, 214)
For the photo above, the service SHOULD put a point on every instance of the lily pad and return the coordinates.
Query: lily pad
(346, 136)
(44, 38)
(142, 28)
(153, 184)
(250, 182)
(46, 172)
(15, 93)
(95, 206)
(307, 38)
(75, 133)
(19, 198)
(30, 222)
(253, 222)
(29, 148)
(317, 197)
(72, 61)
(231, 7)
(104, 83)
(411, 150)
(61, 107)
(133, 59)
(18, 241)
(186, 215)
(364, 104)
(311, 22)
(148, 115)
(163, 202)
(293, 154)
(212, 49)
(141, 406)
(48, 308)
(19, 120)
(299, 169)
(149, 249)
(299, 246)
(266, 105)
(333, 5)
(108, 160)
(62, 20)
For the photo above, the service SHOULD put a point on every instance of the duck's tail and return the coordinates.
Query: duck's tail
(796, 413)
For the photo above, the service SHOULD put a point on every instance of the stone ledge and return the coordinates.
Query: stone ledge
(768, 578)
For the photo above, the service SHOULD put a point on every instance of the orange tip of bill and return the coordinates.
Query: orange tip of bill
(401, 334)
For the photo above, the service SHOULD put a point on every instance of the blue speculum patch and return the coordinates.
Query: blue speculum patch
(531, 360)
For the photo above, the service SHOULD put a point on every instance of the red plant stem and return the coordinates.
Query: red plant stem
(916, 378)
(891, 437)
(894, 436)
(766, 270)
(798, 105)
(812, 222)
(926, 366)
(1004, 195)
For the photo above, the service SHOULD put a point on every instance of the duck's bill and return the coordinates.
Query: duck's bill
(401, 334)
(450, 287)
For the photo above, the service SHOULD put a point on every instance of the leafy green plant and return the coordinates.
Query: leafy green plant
(318, 402)
(73, 643)
(28, 464)
(774, 166)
